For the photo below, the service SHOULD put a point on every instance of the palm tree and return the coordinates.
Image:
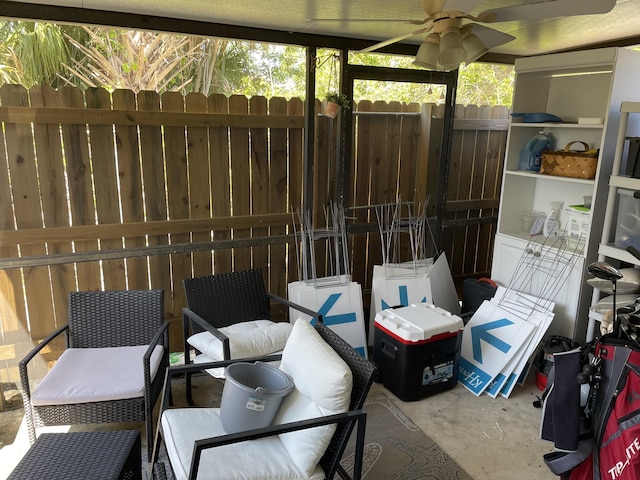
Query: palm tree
(35, 52)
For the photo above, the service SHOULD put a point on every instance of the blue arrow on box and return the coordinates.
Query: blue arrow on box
(403, 292)
(335, 319)
(481, 332)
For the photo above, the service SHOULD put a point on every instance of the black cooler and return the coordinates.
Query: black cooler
(417, 350)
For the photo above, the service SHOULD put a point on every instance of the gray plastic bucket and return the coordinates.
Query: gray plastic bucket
(252, 395)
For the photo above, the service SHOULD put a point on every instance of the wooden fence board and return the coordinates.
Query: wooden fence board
(474, 162)
(278, 197)
(153, 174)
(491, 189)
(53, 201)
(105, 174)
(220, 179)
(26, 199)
(178, 198)
(260, 182)
(130, 174)
(78, 162)
(55, 210)
(240, 179)
(295, 106)
(361, 174)
(199, 182)
(13, 317)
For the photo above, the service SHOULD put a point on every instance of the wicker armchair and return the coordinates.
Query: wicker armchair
(228, 315)
(123, 331)
(301, 360)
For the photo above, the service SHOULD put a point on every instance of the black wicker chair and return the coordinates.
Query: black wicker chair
(222, 300)
(103, 320)
(364, 374)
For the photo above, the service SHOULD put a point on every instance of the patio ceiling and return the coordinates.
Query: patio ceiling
(292, 21)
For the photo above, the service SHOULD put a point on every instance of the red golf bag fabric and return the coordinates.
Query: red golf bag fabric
(619, 451)
(616, 454)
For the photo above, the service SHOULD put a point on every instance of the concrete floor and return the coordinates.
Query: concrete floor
(492, 439)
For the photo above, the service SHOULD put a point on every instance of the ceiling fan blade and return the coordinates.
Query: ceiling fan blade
(394, 40)
(432, 6)
(363, 20)
(547, 9)
(490, 37)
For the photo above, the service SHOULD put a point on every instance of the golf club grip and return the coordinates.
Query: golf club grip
(634, 251)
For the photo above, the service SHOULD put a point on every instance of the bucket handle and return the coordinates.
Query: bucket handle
(270, 391)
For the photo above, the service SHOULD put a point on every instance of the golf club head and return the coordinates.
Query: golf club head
(604, 271)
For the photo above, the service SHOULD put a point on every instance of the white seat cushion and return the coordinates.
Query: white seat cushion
(246, 339)
(323, 383)
(83, 375)
(265, 458)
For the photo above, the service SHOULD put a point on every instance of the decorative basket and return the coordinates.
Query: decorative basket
(570, 163)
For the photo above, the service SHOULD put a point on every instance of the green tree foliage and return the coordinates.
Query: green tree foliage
(485, 84)
(36, 52)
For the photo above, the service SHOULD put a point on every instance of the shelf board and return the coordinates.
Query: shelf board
(630, 107)
(551, 178)
(624, 182)
(599, 126)
(611, 251)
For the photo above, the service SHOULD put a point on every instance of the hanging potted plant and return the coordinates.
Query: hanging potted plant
(335, 101)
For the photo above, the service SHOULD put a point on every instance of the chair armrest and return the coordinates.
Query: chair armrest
(295, 306)
(160, 337)
(272, 430)
(355, 416)
(23, 364)
(179, 370)
(189, 315)
(48, 339)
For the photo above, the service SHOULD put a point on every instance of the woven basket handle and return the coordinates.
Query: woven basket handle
(568, 147)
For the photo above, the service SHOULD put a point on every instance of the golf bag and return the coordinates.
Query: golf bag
(597, 437)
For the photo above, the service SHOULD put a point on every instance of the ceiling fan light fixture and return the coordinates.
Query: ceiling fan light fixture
(474, 48)
(452, 52)
(427, 56)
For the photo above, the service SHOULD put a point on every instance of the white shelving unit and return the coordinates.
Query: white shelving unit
(574, 85)
(607, 250)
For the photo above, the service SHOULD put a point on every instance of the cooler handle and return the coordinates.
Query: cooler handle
(389, 349)
(489, 281)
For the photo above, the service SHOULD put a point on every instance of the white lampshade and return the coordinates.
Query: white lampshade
(452, 53)
(427, 56)
(474, 48)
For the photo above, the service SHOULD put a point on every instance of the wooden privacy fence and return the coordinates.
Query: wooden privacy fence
(119, 190)
(398, 147)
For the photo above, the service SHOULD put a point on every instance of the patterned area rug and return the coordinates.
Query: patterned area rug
(396, 449)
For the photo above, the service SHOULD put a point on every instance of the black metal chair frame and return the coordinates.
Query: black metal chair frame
(364, 374)
(122, 312)
(220, 300)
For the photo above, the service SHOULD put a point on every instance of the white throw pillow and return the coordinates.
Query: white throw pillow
(629, 283)
(323, 383)
(246, 339)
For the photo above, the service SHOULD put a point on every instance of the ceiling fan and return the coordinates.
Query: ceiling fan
(454, 36)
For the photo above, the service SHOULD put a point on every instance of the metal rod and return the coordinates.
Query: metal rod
(93, 256)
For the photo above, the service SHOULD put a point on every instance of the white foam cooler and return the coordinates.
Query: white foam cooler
(417, 350)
